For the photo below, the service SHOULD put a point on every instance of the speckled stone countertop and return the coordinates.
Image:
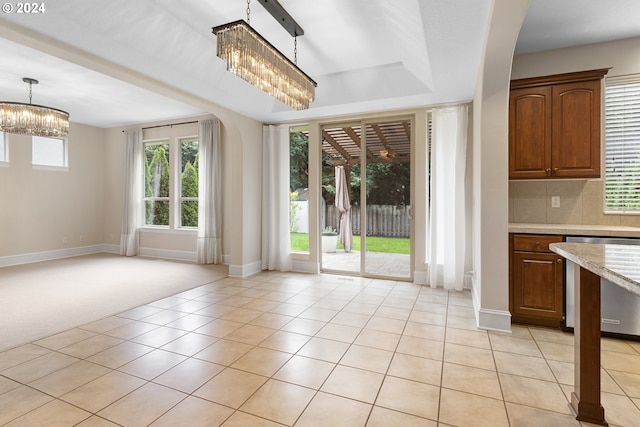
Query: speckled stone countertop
(575, 230)
(619, 264)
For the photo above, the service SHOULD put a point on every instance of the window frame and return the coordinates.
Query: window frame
(175, 197)
(145, 198)
(4, 153)
(616, 104)
(51, 167)
(294, 205)
(181, 198)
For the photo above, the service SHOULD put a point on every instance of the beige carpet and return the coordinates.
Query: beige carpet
(41, 299)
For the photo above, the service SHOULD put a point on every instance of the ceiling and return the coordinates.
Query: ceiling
(109, 63)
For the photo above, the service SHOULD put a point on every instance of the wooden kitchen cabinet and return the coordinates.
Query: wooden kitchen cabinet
(536, 282)
(554, 126)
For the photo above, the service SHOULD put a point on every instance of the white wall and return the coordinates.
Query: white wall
(52, 210)
(490, 166)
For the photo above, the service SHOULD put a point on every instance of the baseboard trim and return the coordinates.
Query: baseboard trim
(489, 319)
(112, 249)
(49, 255)
(10, 260)
(306, 267)
(419, 277)
(494, 320)
(168, 254)
(245, 270)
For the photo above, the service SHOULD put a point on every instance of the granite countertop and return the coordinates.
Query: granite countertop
(619, 264)
(575, 230)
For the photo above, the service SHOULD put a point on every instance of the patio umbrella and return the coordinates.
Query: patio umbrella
(344, 206)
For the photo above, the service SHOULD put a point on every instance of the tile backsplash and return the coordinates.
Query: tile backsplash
(581, 203)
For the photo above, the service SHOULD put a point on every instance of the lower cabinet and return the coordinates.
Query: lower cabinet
(536, 282)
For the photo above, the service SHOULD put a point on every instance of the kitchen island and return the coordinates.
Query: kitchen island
(619, 264)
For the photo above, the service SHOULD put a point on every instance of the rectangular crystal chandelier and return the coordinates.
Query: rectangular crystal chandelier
(252, 58)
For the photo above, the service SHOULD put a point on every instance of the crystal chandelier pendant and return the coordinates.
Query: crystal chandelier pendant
(31, 119)
(255, 60)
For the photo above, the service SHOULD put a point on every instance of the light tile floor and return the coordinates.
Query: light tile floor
(306, 350)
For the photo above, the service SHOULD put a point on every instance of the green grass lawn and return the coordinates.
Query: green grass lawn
(390, 245)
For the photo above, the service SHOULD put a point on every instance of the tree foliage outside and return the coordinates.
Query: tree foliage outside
(387, 183)
(189, 182)
(157, 184)
(299, 161)
(157, 179)
(189, 208)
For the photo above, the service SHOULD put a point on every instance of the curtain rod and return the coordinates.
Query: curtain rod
(170, 125)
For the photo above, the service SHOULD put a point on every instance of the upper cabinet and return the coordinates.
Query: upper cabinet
(554, 126)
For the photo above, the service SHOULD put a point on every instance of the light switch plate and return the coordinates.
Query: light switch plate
(555, 201)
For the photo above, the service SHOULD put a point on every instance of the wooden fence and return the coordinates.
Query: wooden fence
(382, 220)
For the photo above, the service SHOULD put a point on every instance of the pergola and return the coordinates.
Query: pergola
(387, 142)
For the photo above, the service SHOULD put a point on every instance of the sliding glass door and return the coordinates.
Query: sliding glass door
(366, 190)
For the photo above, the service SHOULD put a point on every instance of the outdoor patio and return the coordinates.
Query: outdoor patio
(377, 263)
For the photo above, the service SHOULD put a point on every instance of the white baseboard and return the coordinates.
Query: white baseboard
(306, 267)
(494, 320)
(88, 250)
(168, 254)
(245, 270)
(49, 255)
(489, 319)
(420, 277)
(112, 249)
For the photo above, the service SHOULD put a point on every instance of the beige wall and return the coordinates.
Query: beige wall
(47, 214)
(53, 210)
(582, 200)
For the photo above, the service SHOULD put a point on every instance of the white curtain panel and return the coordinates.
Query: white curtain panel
(276, 240)
(132, 207)
(447, 211)
(209, 246)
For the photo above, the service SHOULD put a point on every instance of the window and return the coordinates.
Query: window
(157, 183)
(189, 182)
(4, 152)
(48, 152)
(171, 183)
(299, 188)
(622, 152)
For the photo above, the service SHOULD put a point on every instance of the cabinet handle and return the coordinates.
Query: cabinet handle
(537, 243)
(559, 260)
(555, 171)
(548, 171)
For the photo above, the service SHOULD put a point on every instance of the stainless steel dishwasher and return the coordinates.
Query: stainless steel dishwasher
(620, 315)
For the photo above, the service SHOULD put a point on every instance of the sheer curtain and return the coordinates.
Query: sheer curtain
(209, 246)
(447, 211)
(276, 241)
(132, 210)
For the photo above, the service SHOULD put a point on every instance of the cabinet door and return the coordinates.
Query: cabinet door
(537, 287)
(576, 130)
(530, 132)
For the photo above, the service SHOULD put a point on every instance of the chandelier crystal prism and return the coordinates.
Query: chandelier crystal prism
(255, 60)
(32, 119)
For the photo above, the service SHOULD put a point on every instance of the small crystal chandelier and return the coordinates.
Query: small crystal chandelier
(255, 60)
(31, 119)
